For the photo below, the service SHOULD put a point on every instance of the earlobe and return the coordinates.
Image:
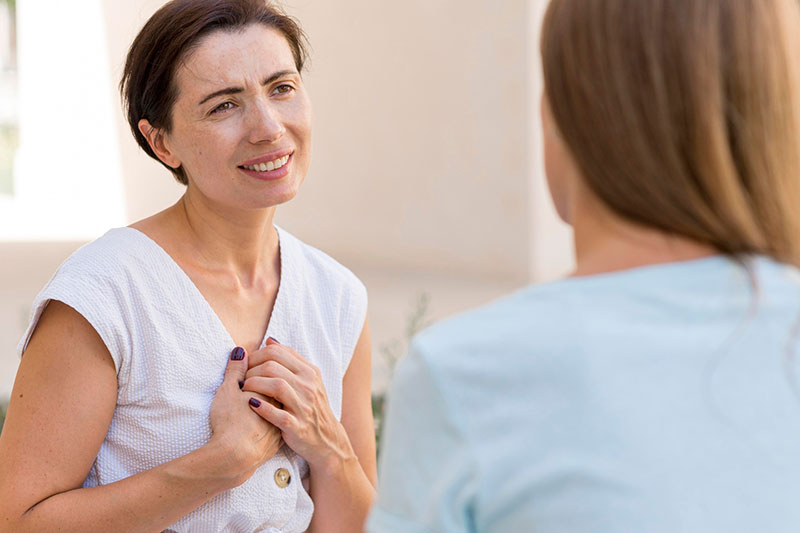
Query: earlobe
(157, 141)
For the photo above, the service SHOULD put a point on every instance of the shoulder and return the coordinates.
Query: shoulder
(472, 359)
(118, 250)
(112, 270)
(97, 281)
(528, 318)
(320, 270)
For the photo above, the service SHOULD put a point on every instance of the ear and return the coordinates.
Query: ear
(158, 142)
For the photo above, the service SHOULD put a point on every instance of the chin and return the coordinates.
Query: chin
(272, 198)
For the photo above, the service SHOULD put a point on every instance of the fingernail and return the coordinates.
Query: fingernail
(254, 402)
(241, 384)
(273, 339)
(237, 354)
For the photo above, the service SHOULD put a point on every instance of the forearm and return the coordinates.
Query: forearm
(148, 501)
(342, 495)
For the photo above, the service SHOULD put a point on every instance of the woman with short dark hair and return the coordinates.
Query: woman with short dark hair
(202, 369)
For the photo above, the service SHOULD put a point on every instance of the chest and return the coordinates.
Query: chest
(244, 312)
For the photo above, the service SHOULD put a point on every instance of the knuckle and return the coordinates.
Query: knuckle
(308, 389)
(281, 386)
(271, 367)
(283, 418)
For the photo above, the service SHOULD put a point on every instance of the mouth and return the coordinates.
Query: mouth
(271, 166)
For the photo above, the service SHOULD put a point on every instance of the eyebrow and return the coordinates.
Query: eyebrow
(236, 90)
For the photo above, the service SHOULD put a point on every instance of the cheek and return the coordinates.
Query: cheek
(207, 148)
(301, 128)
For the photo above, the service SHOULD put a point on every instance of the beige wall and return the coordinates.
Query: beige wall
(421, 130)
(427, 170)
(148, 186)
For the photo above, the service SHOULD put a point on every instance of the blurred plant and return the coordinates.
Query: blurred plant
(12, 34)
(9, 141)
(9, 132)
(3, 409)
(391, 352)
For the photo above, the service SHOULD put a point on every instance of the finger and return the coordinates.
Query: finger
(237, 366)
(274, 388)
(271, 369)
(271, 341)
(279, 418)
(279, 353)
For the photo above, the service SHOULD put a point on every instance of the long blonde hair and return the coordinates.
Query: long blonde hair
(683, 115)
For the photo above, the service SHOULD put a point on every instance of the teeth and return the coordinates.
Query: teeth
(272, 165)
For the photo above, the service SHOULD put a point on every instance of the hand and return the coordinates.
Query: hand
(249, 440)
(303, 415)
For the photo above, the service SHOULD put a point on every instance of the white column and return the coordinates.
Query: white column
(67, 170)
(551, 253)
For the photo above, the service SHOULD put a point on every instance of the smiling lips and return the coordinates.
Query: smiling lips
(269, 165)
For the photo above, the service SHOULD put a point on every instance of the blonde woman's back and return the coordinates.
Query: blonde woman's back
(654, 400)
(660, 391)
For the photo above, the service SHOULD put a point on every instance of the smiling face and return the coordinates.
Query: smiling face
(241, 124)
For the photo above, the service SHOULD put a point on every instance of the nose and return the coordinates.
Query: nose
(265, 124)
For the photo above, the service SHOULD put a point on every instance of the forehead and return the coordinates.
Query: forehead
(225, 58)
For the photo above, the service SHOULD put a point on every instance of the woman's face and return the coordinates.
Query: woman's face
(241, 123)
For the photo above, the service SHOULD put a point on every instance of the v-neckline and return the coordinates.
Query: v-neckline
(269, 331)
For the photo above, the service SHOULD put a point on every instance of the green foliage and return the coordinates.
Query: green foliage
(9, 141)
(394, 350)
(3, 409)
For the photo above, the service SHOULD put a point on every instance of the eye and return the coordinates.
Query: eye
(221, 108)
(283, 88)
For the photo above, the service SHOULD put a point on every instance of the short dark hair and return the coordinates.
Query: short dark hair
(148, 82)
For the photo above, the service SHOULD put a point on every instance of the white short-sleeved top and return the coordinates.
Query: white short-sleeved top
(170, 350)
(661, 399)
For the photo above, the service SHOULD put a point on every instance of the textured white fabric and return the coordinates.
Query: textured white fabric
(170, 350)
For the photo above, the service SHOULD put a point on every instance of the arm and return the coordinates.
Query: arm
(341, 455)
(429, 478)
(343, 489)
(62, 403)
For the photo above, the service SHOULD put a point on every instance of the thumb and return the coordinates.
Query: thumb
(237, 365)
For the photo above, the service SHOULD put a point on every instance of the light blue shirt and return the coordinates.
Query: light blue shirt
(659, 399)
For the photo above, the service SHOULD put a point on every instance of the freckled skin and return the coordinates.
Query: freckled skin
(250, 124)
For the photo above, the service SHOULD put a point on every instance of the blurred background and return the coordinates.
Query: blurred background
(427, 176)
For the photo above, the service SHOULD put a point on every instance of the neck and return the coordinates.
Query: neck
(605, 242)
(242, 242)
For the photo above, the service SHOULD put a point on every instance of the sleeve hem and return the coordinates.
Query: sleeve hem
(88, 315)
(356, 324)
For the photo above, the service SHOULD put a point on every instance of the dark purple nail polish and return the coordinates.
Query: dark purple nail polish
(241, 384)
(273, 339)
(237, 354)
(254, 402)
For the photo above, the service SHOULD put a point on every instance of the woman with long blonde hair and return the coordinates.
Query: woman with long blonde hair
(654, 389)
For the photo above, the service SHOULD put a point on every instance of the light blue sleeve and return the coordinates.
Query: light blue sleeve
(427, 469)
